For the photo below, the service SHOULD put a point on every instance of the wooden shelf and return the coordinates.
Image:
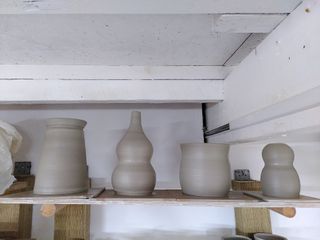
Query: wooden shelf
(162, 197)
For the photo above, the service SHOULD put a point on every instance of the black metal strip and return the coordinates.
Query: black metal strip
(204, 121)
(217, 130)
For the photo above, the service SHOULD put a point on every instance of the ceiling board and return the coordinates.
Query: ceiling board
(114, 40)
(247, 23)
(146, 6)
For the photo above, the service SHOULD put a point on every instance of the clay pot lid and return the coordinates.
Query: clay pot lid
(66, 122)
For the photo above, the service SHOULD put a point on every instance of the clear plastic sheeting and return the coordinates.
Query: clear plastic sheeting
(10, 141)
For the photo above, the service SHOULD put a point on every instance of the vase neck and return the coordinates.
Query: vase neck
(135, 124)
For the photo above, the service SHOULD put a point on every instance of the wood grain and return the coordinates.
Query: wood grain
(72, 222)
(251, 220)
(16, 219)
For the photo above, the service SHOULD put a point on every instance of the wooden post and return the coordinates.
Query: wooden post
(72, 222)
(251, 220)
(16, 219)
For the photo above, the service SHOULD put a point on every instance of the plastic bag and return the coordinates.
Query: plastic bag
(10, 141)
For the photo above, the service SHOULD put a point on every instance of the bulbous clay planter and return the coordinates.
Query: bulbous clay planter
(268, 236)
(134, 174)
(205, 169)
(63, 167)
(279, 178)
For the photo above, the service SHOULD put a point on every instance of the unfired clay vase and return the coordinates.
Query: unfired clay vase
(279, 178)
(205, 169)
(63, 167)
(134, 174)
(268, 236)
(235, 237)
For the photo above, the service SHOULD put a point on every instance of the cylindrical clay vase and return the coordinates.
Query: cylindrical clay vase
(279, 178)
(63, 167)
(134, 174)
(205, 169)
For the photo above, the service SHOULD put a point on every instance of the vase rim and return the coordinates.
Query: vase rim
(68, 122)
(204, 144)
(269, 235)
(236, 236)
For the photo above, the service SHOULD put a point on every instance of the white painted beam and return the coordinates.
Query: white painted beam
(245, 49)
(109, 91)
(95, 72)
(301, 102)
(301, 121)
(145, 6)
(246, 23)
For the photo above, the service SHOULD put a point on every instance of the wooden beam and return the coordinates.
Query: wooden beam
(145, 6)
(98, 72)
(247, 23)
(72, 222)
(16, 219)
(251, 220)
(109, 91)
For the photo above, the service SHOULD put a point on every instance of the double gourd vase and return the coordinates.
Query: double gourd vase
(279, 178)
(205, 169)
(63, 167)
(134, 174)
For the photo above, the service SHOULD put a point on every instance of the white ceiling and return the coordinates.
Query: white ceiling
(115, 40)
(135, 32)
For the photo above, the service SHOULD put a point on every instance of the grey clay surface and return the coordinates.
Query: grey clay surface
(63, 166)
(134, 174)
(205, 169)
(279, 178)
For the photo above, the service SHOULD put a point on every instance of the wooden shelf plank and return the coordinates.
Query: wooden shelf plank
(302, 198)
(163, 197)
(175, 197)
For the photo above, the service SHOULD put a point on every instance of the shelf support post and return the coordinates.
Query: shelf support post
(251, 220)
(72, 222)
